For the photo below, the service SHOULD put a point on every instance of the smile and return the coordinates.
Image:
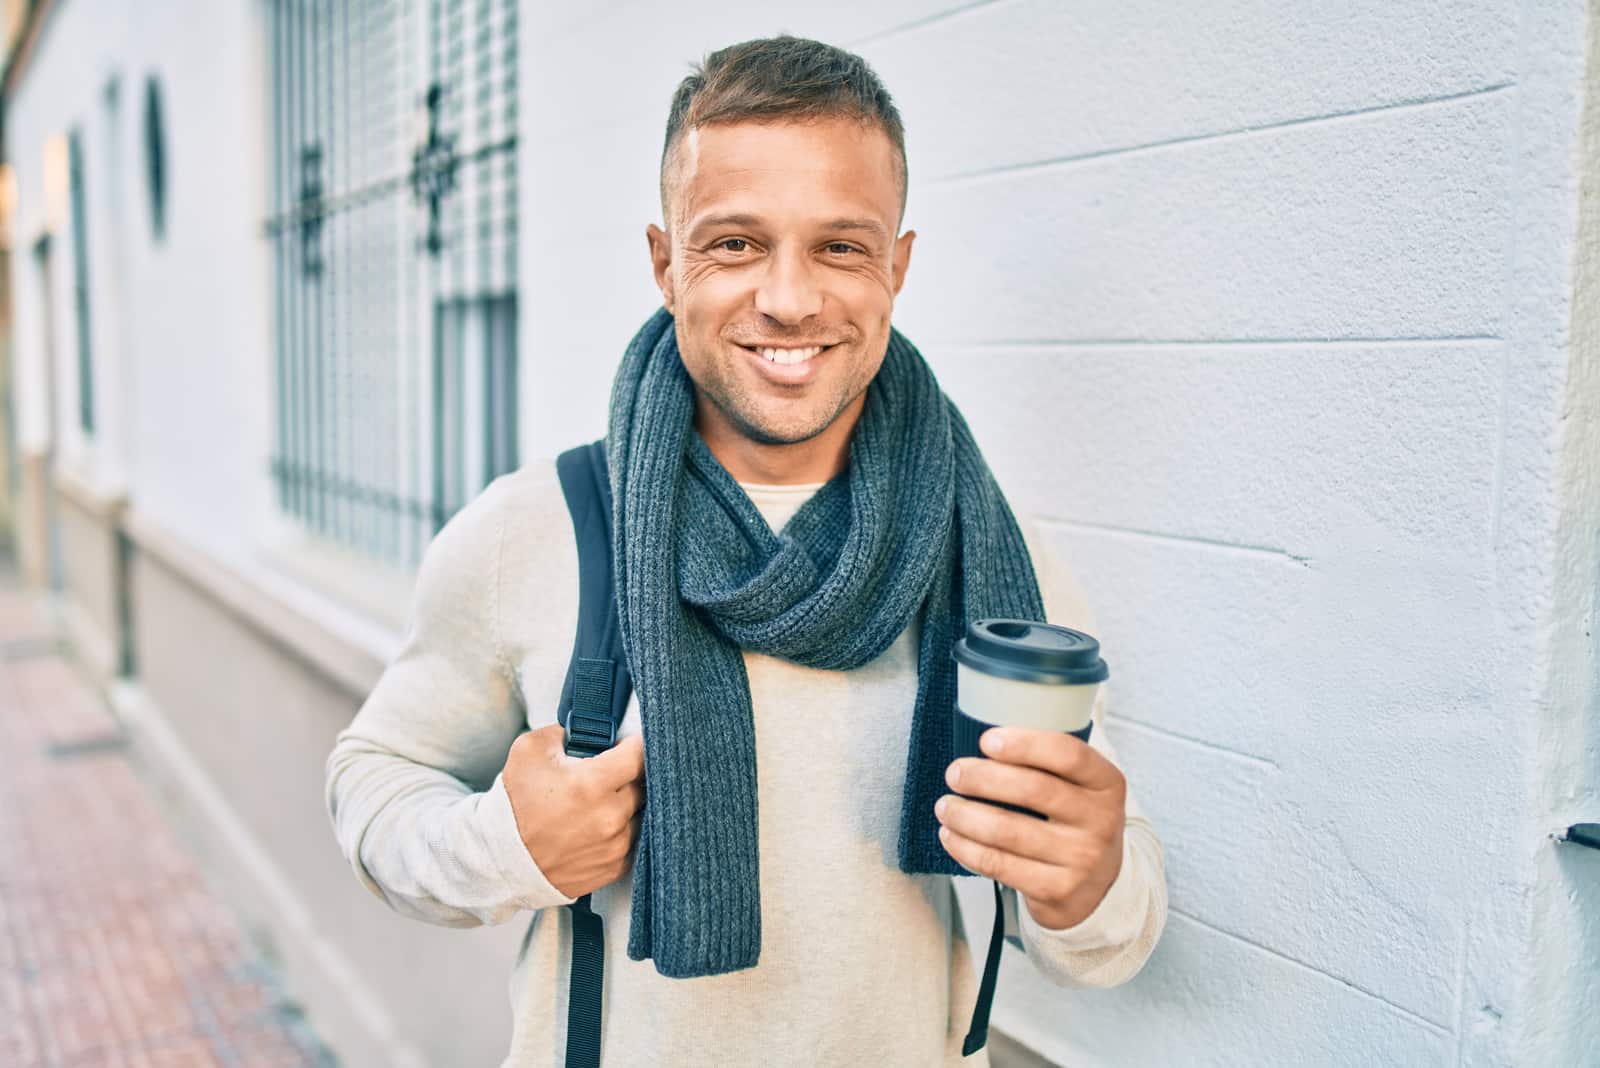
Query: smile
(790, 355)
(789, 365)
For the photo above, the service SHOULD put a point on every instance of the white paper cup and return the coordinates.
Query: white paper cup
(1021, 673)
(995, 700)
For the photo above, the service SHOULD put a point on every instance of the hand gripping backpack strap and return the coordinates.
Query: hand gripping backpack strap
(594, 699)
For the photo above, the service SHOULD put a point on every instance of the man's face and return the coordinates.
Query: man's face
(782, 236)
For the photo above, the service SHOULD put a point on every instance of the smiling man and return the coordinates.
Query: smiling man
(803, 527)
(780, 270)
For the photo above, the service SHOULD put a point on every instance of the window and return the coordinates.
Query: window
(394, 239)
(80, 280)
(155, 158)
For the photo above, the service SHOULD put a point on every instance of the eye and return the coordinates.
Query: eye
(842, 248)
(726, 242)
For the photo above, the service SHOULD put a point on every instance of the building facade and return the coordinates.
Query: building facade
(1282, 320)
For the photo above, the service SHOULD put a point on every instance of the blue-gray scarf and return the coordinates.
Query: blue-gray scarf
(915, 524)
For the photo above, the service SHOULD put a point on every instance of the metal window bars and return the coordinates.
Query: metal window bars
(394, 238)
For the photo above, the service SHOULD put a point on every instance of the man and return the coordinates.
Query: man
(804, 526)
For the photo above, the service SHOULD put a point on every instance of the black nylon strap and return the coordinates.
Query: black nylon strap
(594, 699)
(583, 993)
(590, 728)
(597, 684)
(978, 1034)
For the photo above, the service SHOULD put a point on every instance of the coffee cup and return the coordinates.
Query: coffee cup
(1022, 673)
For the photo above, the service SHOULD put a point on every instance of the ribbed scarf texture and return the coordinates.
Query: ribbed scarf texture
(915, 524)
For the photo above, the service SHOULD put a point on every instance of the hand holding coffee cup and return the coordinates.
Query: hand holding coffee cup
(1022, 673)
(1036, 683)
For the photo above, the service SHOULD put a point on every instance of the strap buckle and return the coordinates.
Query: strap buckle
(588, 734)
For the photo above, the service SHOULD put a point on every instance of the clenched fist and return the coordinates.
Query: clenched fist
(578, 816)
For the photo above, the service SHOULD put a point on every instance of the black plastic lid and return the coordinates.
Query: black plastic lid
(1032, 652)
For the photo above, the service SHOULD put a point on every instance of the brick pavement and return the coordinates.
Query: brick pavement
(112, 951)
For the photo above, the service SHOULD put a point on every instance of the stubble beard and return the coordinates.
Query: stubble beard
(737, 407)
(740, 415)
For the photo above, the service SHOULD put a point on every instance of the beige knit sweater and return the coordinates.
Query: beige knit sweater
(861, 963)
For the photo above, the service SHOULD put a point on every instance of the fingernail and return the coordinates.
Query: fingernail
(992, 742)
(953, 774)
(939, 806)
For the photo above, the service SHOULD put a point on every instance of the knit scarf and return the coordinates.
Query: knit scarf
(914, 524)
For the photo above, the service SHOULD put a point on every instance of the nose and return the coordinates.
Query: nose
(788, 291)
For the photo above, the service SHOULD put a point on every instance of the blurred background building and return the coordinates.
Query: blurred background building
(1284, 320)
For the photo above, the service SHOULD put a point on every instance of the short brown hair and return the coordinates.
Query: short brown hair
(782, 77)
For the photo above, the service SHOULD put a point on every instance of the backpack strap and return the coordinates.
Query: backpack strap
(978, 1033)
(594, 699)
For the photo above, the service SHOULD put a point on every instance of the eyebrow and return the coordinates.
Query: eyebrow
(731, 219)
(870, 226)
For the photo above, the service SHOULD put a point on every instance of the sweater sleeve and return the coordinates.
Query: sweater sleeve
(414, 783)
(1110, 945)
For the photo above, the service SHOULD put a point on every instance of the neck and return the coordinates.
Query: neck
(817, 459)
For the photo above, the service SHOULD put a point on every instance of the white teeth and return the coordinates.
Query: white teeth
(790, 355)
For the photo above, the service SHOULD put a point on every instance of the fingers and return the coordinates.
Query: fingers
(1056, 752)
(992, 780)
(622, 763)
(622, 851)
(1031, 878)
(621, 842)
(1013, 832)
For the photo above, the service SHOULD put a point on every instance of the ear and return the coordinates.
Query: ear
(661, 261)
(902, 258)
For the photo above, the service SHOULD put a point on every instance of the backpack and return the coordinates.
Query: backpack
(594, 700)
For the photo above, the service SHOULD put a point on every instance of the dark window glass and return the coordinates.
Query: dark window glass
(80, 281)
(155, 158)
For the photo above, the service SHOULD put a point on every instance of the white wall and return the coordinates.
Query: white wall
(1262, 309)
(180, 327)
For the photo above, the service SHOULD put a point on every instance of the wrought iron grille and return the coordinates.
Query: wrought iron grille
(394, 237)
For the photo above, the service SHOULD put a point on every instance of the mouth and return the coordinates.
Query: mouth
(788, 364)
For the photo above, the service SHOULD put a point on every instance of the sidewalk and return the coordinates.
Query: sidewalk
(112, 951)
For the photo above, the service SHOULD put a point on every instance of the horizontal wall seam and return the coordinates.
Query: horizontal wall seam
(1006, 170)
(1416, 1018)
(1157, 535)
(920, 23)
(1200, 342)
(1117, 721)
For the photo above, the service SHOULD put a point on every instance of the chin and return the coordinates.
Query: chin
(778, 431)
(780, 435)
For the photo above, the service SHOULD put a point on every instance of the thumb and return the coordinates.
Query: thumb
(622, 763)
